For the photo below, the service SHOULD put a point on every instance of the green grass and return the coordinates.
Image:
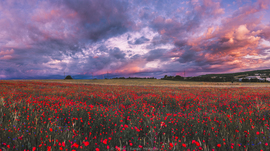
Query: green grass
(157, 82)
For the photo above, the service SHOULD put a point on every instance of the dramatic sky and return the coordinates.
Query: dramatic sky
(142, 38)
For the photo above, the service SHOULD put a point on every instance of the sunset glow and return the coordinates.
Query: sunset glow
(45, 39)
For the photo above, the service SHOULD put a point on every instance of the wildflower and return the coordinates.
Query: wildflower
(218, 145)
(117, 148)
(86, 143)
(34, 149)
(105, 141)
(184, 145)
(49, 148)
(75, 145)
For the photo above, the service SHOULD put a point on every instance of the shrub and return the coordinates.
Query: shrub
(68, 77)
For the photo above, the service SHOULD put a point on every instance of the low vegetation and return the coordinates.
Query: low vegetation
(55, 116)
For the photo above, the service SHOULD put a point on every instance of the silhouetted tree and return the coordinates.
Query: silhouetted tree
(178, 77)
(68, 77)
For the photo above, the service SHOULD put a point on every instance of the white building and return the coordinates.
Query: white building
(253, 77)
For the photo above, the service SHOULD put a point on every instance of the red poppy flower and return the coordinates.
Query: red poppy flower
(105, 141)
(49, 148)
(75, 145)
(34, 148)
(86, 143)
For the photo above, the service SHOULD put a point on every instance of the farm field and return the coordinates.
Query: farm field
(102, 115)
(158, 82)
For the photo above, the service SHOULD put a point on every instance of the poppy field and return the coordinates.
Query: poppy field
(38, 116)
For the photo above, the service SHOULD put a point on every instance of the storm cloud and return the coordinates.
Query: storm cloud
(44, 39)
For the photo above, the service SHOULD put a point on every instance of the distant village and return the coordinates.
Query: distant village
(257, 77)
(251, 77)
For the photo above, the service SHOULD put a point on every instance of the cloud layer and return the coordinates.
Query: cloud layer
(44, 39)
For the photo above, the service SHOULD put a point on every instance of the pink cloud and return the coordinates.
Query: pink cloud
(224, 45)
(6, 57)
(266, 32)
(264, 4)
(7, 52)
(207, 38)
(209, 7)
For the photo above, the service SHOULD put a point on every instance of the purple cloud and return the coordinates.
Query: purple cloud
(43, 39)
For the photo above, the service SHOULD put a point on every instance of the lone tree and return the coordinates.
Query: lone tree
(68, 77)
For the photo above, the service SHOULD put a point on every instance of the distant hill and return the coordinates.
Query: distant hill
(226, 77)
(246, 73)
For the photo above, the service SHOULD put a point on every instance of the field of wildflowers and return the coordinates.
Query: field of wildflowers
(40, 116)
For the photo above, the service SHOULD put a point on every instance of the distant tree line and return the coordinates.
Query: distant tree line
(212, 79)
(200, 78)
(134, 78)
(177, 77)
